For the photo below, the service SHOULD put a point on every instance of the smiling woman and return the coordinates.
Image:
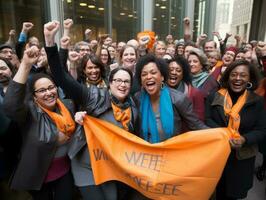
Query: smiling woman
(112, 104)
(237, 107)
(161, 108)
(46, 124)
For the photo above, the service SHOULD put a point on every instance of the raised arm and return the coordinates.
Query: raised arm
(26, 27)
(187, 29)
(70, 86)
(15, 94)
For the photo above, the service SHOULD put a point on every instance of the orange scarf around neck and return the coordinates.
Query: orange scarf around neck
(63, 121)
(233, 111)
(122, 116)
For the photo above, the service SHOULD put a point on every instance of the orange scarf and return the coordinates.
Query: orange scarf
(122, 116)
(63, 121)
(233, 111)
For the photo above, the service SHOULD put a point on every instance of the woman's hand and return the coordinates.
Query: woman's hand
(30, 57)
(64, 42)
(67, 25)
(237, 143)
(79, 117)
(49, 30)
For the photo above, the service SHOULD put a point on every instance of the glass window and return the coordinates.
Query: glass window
(125, 19)
(14, 12)
(85, 14)
(168, 18)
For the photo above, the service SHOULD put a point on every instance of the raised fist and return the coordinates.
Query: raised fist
(186, 21)
(68, 23)
(65, 41)
(26, 27)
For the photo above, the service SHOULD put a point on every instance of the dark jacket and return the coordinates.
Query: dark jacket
(39, 138)
(238, 173)
(97, 102)
(183, 112)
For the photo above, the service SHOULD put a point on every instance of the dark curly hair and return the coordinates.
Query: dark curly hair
(183, 63)
(150, 58)
(253, 74)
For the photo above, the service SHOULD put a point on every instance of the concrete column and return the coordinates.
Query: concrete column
(108, 16)
(146, 14)
(57, 13)
(189, 12)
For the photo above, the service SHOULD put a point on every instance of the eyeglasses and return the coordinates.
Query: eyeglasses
(43, 90)
(88, 50)
(119, 81)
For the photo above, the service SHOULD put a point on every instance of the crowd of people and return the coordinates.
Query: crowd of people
(155, 89)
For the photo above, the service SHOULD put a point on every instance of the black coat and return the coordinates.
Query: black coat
(39, 138)
(238, 173)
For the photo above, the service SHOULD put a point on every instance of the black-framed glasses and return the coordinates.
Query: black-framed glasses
(88, 50)
(43, 90)
(119, 81)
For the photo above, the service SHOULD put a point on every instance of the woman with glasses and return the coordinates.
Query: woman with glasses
(46, 125)
(113, 104)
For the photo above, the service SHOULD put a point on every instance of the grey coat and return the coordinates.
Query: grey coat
(183, 112)
(39, 138)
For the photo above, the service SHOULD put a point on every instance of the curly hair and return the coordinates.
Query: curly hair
(183, 63)
(253, 74)
(150, 58)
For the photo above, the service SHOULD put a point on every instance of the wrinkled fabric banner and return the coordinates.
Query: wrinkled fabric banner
(185, 167)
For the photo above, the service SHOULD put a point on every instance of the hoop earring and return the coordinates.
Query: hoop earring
(249, 85)
(162, 86)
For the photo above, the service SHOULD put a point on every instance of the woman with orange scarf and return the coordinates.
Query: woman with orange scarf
(112, 104)
(46, 125)
(237, 107)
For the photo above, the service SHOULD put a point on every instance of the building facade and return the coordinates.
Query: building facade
(122, 19)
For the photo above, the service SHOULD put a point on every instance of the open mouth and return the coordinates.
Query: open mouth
(150, 85)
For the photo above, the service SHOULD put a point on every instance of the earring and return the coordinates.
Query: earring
(249, 85)
(162, 86)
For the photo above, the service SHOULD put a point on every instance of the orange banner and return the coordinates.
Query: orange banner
(185, 167)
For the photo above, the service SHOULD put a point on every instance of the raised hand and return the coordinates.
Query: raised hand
(12, 33)
(26, 27)
(228, 35)
(202, 37)
(186, 21)
(87, 32)
(217, 34)
(30, 56)
(237, 37)
(67, 25)
(79, 116)
(65, 41)
(49, 30)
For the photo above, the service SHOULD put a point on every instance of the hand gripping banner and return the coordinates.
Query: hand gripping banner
(185, 167)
